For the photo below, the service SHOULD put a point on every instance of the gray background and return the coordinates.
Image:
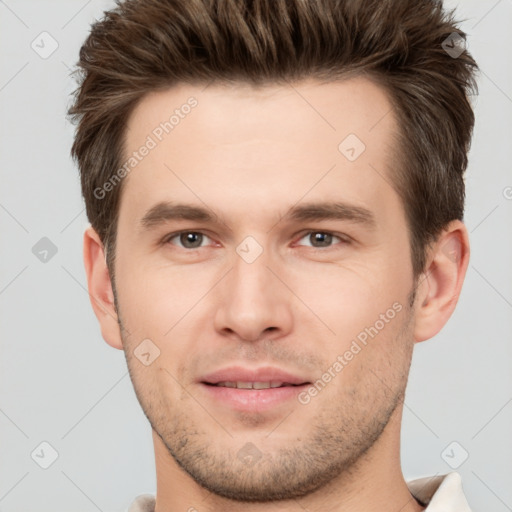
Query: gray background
(62, 384)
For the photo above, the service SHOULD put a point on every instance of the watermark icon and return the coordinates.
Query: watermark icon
(454, 45)
(44, 45)
(507, 193)
(352, 147)
(44, 250)
(451, 250)
(249, 249)
(151, 142)
(44, 455)
(146, 352)
(357, 345)
(249, 454)
(454, 455)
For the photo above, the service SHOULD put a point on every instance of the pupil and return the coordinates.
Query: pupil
(191, 240)
(321, 239)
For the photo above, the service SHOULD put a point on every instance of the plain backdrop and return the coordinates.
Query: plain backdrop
(62, 385)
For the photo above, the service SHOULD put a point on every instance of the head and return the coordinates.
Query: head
(300, 197)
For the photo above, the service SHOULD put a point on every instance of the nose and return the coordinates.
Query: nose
(253, 302)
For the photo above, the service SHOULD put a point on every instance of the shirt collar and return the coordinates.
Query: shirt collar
(441, 493)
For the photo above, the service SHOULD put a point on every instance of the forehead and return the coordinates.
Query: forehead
(250, 146)
(230, 114)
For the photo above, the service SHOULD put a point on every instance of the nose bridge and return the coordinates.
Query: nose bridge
(252, 299)
(248, 279)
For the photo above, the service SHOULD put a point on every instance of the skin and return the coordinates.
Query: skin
(249, 156)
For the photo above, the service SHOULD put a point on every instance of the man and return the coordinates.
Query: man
(276, 196)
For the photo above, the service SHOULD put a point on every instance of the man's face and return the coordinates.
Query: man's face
(269, 281)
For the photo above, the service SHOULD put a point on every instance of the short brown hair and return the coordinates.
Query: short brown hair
(403, 45)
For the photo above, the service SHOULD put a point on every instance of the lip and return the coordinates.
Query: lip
(252, 400)
(264, 374)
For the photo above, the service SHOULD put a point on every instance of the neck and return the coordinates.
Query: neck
(375, 482)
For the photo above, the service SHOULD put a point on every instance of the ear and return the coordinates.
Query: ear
(100, 288)
(440, 285)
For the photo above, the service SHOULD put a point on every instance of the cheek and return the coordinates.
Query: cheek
(352, 298)
(155, 299)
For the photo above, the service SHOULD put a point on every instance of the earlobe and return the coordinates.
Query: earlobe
(100, 288)
(440, 286)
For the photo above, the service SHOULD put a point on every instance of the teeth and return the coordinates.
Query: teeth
(250, 385)
(261, 385)
(227, 384)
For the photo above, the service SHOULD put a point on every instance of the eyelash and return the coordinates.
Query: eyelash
(343, 238)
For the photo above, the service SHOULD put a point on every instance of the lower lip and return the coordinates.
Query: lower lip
(253, 400)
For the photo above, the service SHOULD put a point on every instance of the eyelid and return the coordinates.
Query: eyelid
(342, 237)
(167, 238)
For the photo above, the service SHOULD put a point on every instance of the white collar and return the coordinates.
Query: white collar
(441, 493)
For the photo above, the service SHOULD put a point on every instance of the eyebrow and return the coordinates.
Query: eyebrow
(166, 211)
(332, 211)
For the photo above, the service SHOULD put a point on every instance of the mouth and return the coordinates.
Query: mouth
(254, 385)
(253, 391)
(241, 377)
(253, 397)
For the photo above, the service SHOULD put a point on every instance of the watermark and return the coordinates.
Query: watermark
(249, 454)
(44, 45)
(357, 345)
(454, 45)
(44, 250)
(249, 249)
(507, 193)
(146, 352)
(455, 455)
(352, 147)
(44, 455)
(451, 250)
(151, 142)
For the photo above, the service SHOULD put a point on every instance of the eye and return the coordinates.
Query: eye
(319, 239)
(187, 239)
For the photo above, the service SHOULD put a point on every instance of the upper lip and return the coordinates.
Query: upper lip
(240, 374)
